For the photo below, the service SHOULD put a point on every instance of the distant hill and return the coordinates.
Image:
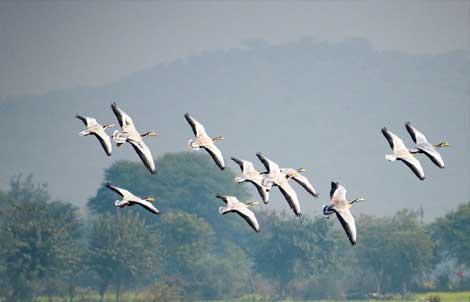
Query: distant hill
(310, 104)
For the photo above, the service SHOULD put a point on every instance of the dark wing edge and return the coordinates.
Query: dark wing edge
(263, 161)
(346, 227)
(103, 144)
(222, 197)
(411, 131)
(238, 161)
(117, 113)
(334, 186)
(413, 168)
(215, 158)
(191, 123)
(433, 159)
(306, 187)
(388, 136)
(113, 188)
(144, 159)
(82, 118)
(290, 202)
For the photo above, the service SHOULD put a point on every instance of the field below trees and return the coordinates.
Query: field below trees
(411, 297)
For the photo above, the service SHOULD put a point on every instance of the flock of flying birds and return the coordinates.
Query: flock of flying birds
(274, 176)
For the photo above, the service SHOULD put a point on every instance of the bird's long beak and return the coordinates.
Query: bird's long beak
(150, 199)
(218, 138)
(254, 203)
(445, 144)
(358, 199)
(302, 170)
(153, 133)
(109, 126)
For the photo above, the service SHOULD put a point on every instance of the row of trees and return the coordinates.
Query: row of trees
(51, 249)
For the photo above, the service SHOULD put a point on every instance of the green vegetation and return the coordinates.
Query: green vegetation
(191, 252)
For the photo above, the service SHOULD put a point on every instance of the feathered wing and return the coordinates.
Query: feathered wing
(337, 193)
(84, 119)
(414, 165)
(291, 196)
(125, 121)
(231, 201)
(434, 156)
(347, 221)
(262, 190)
(145, 155)
(416, 136)
(104, 140)
(147, 205)
(249, 217)
(268, 164)
(395, 142)
(118, 190)
(239, 162)
(215, 154)
(198, 128)
(305, 183)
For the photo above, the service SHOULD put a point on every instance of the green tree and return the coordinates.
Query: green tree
(225, 274)
(290, 248)
(35, 235)
(122, 251)
(397, 251)
(452, 234)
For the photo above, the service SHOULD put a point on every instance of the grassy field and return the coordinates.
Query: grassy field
(132, 297)
(438, 296)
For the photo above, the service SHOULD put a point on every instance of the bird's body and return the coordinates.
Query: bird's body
(279, 179)
(98, 130)
(340, 206)
(129, 199)
(300, 179)
(401, 152)
(203, 140)
(424, 146)
(242, 209)
(250, 174)
(132, 136)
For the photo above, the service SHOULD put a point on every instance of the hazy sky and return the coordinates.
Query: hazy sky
(53, 45)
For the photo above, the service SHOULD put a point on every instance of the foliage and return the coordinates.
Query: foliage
(122, 250)
(452, 233)
(38, 238)
(293, 248)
